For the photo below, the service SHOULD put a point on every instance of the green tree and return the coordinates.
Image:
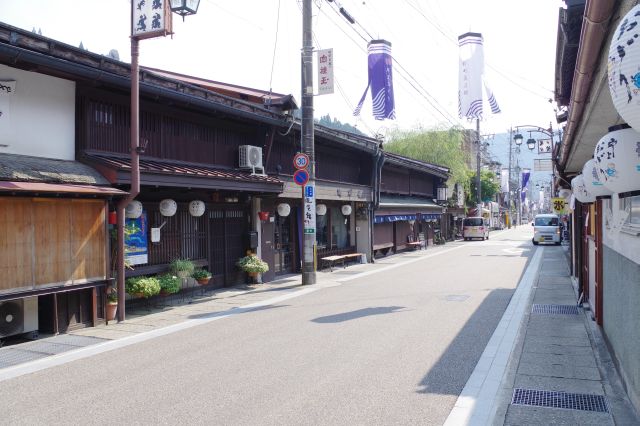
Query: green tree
(436, 146)
(489, 186)
(334, 123)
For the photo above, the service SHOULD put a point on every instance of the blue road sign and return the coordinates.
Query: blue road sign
(308, 191)
(301, 177)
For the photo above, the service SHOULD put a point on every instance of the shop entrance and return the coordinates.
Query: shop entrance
(228, 228)
(284, 244)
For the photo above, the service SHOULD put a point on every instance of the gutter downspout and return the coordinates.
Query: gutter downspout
(377, 178)
(135, 173)
(594, 30)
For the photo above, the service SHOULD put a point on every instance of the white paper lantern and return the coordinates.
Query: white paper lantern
(284, 209)
(622, 66)
(133, 210)
(321, 209)
(592, 181)
(196, 208)
(617, 159)
(346, 209)
(564, 193)
(579, 190)
(168, 207)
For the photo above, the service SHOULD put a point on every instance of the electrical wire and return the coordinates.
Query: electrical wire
(275, 46)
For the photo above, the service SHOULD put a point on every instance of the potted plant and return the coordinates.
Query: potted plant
(142, 286)
(202, 276)
(182, 267)
(253, 265)
(169, 284)
(112, 304)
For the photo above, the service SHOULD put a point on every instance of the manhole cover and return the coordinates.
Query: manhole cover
(555, 309)
(552, 399)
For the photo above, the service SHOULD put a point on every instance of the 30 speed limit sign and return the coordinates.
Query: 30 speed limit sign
(301, 161)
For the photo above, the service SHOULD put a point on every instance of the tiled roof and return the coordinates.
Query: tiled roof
(24, 168)
(180, 169)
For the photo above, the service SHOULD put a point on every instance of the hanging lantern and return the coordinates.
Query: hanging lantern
(263, 215)
(284, 209)
(133, 210)
(622, 66)
(168, 207)
(579, 190)
(617, 159)
(592, 181)
(196, 208)
(321, 209)
(346, 209)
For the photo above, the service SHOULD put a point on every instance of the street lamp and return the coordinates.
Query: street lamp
(184, 7)
(531, 143)
(517, 138)
(442, 193)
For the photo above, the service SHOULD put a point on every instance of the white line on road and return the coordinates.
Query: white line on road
(475, 405)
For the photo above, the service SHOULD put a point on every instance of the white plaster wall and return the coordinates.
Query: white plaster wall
(625, 244)
(38, 119)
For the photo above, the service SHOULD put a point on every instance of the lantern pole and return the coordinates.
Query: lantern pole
(308, 195)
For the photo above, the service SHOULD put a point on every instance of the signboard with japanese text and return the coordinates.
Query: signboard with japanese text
(150, 18)
(544, 146)
(135, 241)
(559, 206)
(325, 71)
(309, 213)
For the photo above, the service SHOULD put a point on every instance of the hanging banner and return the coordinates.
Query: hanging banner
(380, 81)
(150, 18)
(504, 180)
(470, 75)
(135, 240)
(325, 71)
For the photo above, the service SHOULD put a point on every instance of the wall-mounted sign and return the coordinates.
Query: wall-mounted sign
(301, 177)
(560, 205)
(301, 161)
(135, 240)
(150, 18)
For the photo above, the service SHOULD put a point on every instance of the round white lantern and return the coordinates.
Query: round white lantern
(284, 209)
(346, 209)
(622, 66)
(617, 159)
(168, 207)
(592, 181)
(196, 208)
(564, 193)
(321, 209)
(133, 210)
(579, 190)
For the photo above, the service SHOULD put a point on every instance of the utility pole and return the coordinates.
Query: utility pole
(509, 180)
(478, 188)
(308, 195)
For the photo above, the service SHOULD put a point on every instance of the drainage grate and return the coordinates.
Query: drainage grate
(11, 356)
(570, 401)
(555, 309)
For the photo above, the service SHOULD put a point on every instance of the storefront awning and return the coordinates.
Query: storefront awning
(423, 204)
(56, 188)
(399, 217)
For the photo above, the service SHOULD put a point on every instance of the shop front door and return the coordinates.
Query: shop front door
(228, 228)
(284, 239)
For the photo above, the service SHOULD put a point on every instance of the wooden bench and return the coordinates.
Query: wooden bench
(332, 260)
(415, 244)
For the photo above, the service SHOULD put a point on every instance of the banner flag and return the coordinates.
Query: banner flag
(470, 74)
(380, 81)
(504, 180)
(493, 103)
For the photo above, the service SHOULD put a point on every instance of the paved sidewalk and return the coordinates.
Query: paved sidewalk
(559, 372)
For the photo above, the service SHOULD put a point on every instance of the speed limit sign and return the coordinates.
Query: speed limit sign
(301, 161)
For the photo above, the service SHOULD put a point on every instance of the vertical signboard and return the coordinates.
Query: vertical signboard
(309, 208)
(150, 18)
(135, 240)
(325, 71)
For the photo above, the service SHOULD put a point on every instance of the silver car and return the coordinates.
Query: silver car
(547, 229)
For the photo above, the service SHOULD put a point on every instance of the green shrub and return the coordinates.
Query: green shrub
(169, 283)
(201, 274)
(144, 286)
(182, 265)
(252, 264)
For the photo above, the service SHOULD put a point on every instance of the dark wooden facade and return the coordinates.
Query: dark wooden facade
(407, 182)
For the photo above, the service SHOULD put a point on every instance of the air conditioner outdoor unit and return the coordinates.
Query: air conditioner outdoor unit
(18, 316)
(251, 158)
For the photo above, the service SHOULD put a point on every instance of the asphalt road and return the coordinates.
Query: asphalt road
(394, 347)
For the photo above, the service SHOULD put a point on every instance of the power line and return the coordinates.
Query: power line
(275, 45)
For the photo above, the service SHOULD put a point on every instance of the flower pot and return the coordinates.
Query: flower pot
(204, 281)
(253, 274)
(110, 313)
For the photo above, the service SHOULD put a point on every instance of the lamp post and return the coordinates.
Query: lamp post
(159, 25)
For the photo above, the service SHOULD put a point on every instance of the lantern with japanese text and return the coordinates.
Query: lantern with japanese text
(579, 190)
(321, 209)
(168, 207)
(196, 208)
(284, 209)
(133, 210)
(592, 181)
(346, 209)
(617, 159)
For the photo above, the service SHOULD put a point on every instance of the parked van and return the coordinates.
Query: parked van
(547, 229)
(475, 227)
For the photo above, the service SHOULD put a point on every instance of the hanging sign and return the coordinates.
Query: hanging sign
(325, 71)
(301, 161)
(559, 205)
(309, 209)
(544, 146)
(150, 18)
(301, 177)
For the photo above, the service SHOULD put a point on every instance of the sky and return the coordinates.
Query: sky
(257, 43)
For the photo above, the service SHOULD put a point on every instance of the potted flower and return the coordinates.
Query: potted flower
(112, 304)
(202, 276)
(253, 265)
(182, 267)
(142, 286)
(169, 284)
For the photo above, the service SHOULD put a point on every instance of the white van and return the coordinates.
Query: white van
(547, 229)
(475, 227)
